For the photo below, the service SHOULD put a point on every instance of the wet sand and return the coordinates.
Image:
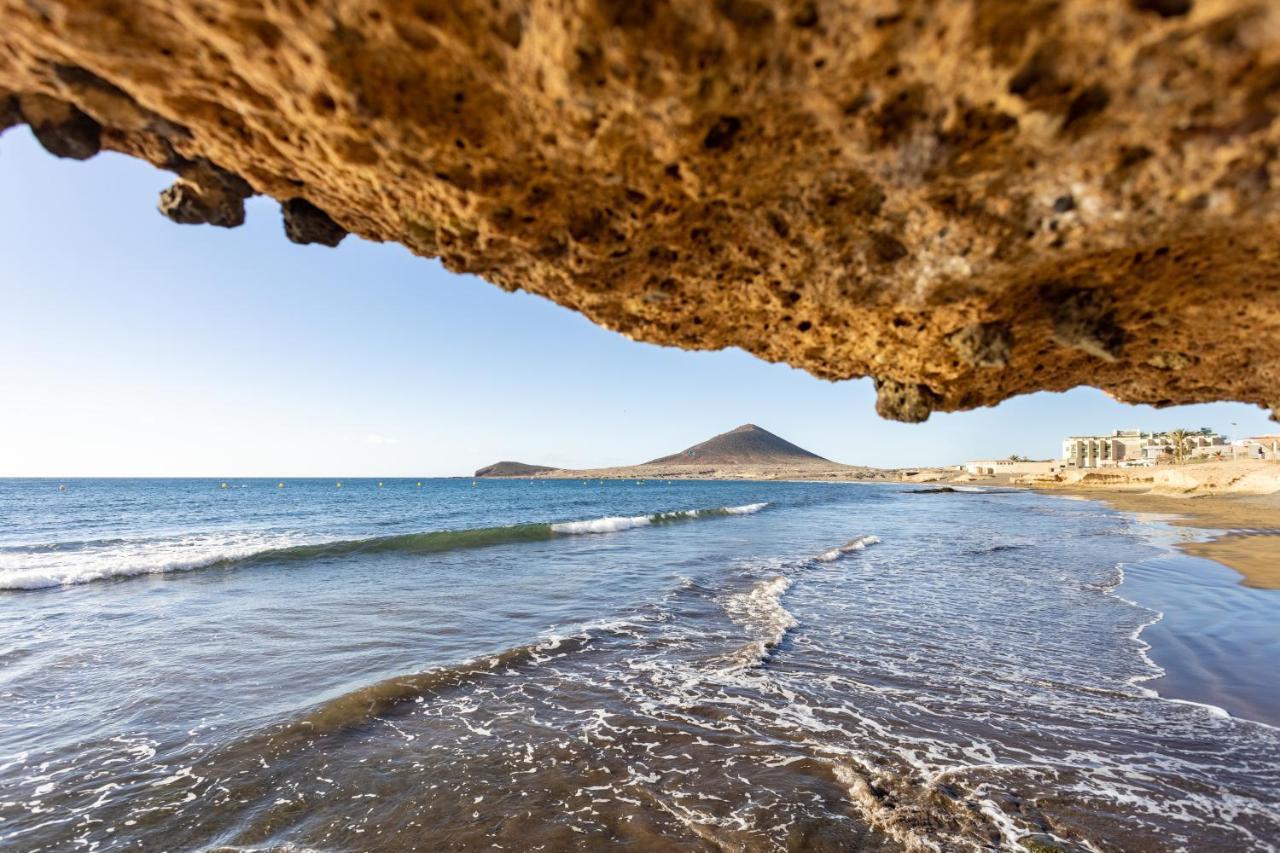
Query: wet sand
(1255, 557)
(1216, 639)
(1250, 543)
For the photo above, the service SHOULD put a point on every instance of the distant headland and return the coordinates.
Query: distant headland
(512, 469)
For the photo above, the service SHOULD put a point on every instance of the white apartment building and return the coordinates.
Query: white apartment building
(1125, 447)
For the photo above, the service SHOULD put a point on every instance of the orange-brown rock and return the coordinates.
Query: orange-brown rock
(965, 200)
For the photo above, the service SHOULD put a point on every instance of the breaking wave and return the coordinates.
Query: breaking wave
(760, 612)
(42, 567)
(848, 548)
(614, 523)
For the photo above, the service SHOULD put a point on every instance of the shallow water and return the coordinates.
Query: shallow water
(448, 665)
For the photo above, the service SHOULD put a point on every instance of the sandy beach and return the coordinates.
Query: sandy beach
(1240, 498)
(1256, 556)
(1253, 555)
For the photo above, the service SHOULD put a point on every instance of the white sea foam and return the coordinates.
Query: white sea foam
(759, 610)
(849, 547)
(609, 524)
(51, 567)
(613, 523)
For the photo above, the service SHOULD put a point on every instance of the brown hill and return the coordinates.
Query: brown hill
(512, 469)
(746, 445)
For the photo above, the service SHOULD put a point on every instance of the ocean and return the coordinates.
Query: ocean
(570, 665)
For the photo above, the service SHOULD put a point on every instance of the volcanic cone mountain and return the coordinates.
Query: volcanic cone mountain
(747, 453)
(745, 445)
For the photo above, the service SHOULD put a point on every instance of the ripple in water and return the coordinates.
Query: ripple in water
(973, 681)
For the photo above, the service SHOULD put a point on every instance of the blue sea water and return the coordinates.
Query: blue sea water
(577, 665)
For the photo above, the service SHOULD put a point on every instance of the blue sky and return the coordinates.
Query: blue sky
(136, 347)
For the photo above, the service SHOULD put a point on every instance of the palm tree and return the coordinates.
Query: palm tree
(1179, 438)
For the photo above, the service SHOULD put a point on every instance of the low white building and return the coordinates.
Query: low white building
(1257, 447)
(992, 467)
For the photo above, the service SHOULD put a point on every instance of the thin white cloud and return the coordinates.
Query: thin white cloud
(375, 438)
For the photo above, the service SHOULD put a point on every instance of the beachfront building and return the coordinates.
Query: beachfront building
(992, 467)
(1257, 447)
(1102, 451)
(1128, 447)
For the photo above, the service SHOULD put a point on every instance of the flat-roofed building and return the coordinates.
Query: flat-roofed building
(992, 467)
(1103, 451)
(1257, 447)
(1126, 447)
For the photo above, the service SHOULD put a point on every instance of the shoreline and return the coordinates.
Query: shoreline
(1236, 503)
(1210, 641)
(1244, 530)
(1211, 636)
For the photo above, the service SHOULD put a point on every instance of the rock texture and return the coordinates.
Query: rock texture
(964, 200)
